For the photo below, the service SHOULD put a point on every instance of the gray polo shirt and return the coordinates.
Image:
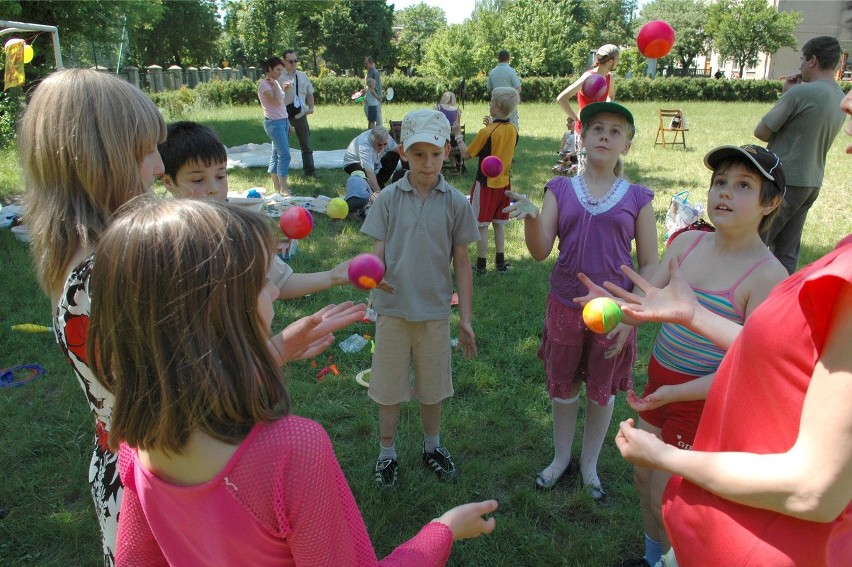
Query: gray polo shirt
(419, 237)
(804, 122)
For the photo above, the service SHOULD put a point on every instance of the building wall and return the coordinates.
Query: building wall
(819, 17)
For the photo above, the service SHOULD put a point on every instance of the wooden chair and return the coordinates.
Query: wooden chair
(671, 120)
(454, 164)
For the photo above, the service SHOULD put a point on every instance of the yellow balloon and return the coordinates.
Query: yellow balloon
(337, 208)
(28, 53)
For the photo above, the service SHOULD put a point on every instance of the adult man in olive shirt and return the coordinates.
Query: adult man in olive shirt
(800, 129)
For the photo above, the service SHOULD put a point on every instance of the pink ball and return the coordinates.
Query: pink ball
(366, 271)
(594, 87)
(492, 166)
(655, 39)
(296, 222)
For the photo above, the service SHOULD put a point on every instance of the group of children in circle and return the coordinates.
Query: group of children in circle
(185, 386)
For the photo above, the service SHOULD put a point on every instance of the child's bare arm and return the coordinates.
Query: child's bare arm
(564, 98)
(646, 241)
(464, 284)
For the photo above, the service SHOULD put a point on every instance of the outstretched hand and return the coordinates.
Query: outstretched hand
(309, 336)
(675, 303)
(594, 291)
(466, 521)
(653, 400)
(521, 206)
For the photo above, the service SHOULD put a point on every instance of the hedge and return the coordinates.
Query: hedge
(337, 90)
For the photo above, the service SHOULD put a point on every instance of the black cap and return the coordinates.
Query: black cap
(765, 161)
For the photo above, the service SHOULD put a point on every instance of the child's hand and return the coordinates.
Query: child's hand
(640, 447)
(466, 521)
(620, 333)
(655, 399)
(675, 303)
(487, 120)
(386, 287)
(521, 206)
(594, 291)
(340, 273)
(456, 129)
(467, 341)
(309, 336)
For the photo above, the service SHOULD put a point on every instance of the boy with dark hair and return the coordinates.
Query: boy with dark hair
(195, 162)
(419, 223)
(488, 194)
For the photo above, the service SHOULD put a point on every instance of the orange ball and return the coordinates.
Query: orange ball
(601, 314)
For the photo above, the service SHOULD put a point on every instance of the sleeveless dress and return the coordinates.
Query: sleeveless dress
(71, 326)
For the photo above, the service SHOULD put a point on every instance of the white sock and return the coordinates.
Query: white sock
(431, 442)
(564, 424)
(594, 434)
(387, 452)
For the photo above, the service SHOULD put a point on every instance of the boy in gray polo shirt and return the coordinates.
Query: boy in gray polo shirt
(419, 223)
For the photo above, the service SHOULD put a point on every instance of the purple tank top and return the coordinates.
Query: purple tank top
(450, 114)
(595, 236)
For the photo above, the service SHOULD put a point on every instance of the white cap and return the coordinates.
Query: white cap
(424, 125)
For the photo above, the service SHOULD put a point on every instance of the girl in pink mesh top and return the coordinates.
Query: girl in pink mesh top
(216, 470)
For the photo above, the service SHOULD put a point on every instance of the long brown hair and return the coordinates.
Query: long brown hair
(175, 331)
(81, 141)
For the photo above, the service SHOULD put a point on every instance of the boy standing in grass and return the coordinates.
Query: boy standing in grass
(488, 194)
(419, 223)
(195, 163)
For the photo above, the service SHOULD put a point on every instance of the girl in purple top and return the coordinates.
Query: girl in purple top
(596, 216)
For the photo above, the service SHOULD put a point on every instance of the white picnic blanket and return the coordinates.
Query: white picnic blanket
(258, 155)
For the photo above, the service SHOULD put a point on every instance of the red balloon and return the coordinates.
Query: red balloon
(296, 222)
(366, 271)
(492, 166)
(655, 39)
(594, 87)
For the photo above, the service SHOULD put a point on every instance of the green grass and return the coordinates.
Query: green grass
(497, 425)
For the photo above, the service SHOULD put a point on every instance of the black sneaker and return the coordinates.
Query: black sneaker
(386, 472)
(477, 271)
(502, 267)
(441, 464)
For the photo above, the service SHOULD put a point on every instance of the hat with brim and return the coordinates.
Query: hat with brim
(766, 162)
(424, 125)
(591, 110)
(359, 173)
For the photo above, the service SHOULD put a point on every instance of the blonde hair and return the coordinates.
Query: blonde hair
(371, 83)
(505, 99)
(189, 352)
(449, 97)
(80, 142)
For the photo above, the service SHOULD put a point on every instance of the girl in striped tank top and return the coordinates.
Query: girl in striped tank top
(731, 272)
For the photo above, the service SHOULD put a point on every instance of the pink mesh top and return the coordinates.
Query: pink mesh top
(281, 500)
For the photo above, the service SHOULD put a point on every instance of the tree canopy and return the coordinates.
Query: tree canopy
(743, 29)
(688, 18)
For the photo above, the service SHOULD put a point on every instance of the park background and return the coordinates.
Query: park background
(498, 423)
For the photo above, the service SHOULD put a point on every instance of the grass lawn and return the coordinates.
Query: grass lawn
(497, 425)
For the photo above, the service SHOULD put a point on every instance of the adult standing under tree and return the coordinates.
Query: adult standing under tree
(301, 96)
(502, 75)
(800, 129)
(373, 73)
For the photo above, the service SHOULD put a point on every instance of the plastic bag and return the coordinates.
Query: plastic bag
(681, 214)
(353, 343)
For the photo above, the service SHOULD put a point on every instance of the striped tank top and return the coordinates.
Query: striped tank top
(679, 349)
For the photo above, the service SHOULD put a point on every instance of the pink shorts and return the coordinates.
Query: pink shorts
(488, 203)
(678, 421)
(572, 353)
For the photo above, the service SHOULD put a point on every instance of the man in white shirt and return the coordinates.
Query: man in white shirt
(301, 95)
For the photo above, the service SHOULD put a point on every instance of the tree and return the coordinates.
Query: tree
(689, 19)
(89, 32)
(353, 29)
(540, 34)
(416, 25)
(743, 29)
(186, 33)
(443, 50)
(259, 29)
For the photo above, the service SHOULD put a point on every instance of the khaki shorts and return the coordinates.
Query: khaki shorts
(398, 342)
